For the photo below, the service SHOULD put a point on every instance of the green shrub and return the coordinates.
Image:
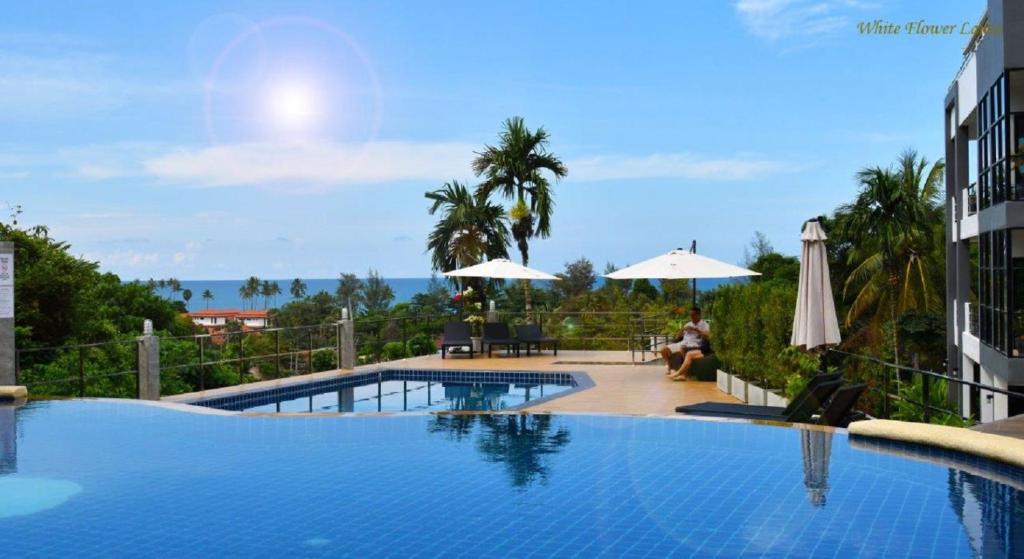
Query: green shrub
(905, 408)
(393, 351)
(421, 344)
(324, 360)
(750, 329)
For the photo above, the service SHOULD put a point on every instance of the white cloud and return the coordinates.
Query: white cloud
(126, 258)
(318, 163)
(779, 19)
(673, 165)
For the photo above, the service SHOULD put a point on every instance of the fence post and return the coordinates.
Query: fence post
(885, 392)
(926, 386)
(346, 341)
(148, 363)
(81, 371)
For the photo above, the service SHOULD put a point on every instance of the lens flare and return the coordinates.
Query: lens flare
(294, 104)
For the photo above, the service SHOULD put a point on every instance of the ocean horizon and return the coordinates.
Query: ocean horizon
(225, 292)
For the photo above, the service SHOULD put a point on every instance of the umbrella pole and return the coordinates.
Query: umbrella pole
(693, 250)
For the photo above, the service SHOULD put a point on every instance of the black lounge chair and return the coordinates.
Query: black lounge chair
(531, 335)
(803, 410)
(456, 334)
(497, 333)
(837, 411)
(730, 409)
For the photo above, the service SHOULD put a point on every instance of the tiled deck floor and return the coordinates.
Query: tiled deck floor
(620, 387)
(1009, 427)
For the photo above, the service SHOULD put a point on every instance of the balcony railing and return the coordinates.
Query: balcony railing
(972, 199)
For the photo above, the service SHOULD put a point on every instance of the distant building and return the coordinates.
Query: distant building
(984, 114)
(216, 319)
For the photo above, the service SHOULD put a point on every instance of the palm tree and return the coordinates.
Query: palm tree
(890, 224)
(207, 297)
(470, 228)
(246, 293)
(187, 296)
(267, 291)
(516, 168)
(275, 290)
(298, 288)
(252, 286)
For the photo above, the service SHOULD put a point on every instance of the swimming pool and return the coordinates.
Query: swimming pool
(402, 390)
(100, 478)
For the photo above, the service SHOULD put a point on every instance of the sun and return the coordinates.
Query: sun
(294, 103)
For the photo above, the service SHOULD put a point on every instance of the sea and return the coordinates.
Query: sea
(225, 292)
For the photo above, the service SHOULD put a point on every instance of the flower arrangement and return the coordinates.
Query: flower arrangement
(476, 321)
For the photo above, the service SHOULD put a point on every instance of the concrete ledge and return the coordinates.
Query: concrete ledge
(13, 393)
(994, 447)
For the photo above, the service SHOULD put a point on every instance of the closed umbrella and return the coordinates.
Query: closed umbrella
(816, 450)
(682, 264)
(815, 324)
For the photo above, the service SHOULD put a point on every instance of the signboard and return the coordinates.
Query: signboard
(6, 285)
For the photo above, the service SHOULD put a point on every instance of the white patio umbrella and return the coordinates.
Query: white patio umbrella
(815, 324)
(500, 268)
(682, 264)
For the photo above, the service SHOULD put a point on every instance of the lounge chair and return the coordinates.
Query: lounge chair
(497, 333)
(802, 410)
(456, 334)
(838, 409)
(723, 408)
(531, 335)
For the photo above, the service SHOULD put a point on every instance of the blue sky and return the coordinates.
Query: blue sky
(207, 140)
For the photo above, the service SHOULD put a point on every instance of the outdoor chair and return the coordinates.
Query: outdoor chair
(456, 334)
(803, 410)
(531, 335)
(497, 334)
(728, 409)
(836, 413)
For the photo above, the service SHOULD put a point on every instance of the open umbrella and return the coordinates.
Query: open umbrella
(815, 324)
(500, 268)
(682, 264)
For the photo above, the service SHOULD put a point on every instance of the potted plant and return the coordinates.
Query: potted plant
(476, 323)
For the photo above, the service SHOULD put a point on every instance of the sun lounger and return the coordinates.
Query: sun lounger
(803, 410)
(497, 334)
(456, 334)
(531, 335)
(838, 409)
(725, 408)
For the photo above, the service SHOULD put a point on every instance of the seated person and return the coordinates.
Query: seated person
(694, 336)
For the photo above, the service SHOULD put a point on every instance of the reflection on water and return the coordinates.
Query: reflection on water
(816, 449)
(992, 514)
(8, 440)
(522, 443)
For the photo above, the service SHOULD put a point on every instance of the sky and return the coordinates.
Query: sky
(219, 140)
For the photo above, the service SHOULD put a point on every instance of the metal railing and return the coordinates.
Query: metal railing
(972, 199)
(895, 376)
(212, 360)
(96, 369)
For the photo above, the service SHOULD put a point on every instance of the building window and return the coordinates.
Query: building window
(1015, 133)
(993, 139)
(993, 286)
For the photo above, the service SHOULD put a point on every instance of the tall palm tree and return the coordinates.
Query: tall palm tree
(207, 297)
(298, 288)
(186, 295)
(252, 287)
(891, 225)
(267, 291)
(469, 229)
(518, 169)
(245, 293)
(275, 290)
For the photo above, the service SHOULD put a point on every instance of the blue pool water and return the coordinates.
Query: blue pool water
(405, 390)
(99, 479)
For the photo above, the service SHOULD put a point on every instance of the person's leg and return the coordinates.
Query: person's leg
(691, 356)
(666, 355)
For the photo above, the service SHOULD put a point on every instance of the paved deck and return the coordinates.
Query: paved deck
(1009, 427)
(619, 386)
